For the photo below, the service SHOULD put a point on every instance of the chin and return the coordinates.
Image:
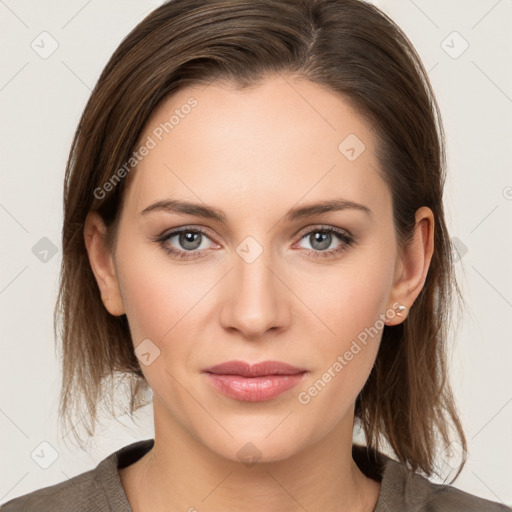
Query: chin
(260, 448)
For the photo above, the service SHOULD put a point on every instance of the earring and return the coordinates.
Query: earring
(105, 298)
(400, 308)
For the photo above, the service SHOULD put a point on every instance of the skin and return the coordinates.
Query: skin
(256, 154)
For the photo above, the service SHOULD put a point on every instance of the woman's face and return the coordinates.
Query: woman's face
(265, 279)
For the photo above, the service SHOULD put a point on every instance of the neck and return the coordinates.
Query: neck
(181, 473)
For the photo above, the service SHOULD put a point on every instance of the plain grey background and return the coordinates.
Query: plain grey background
(52, 54)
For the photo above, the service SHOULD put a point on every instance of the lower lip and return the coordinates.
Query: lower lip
(254, 389)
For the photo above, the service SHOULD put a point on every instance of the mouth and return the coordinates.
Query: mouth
(254, 383)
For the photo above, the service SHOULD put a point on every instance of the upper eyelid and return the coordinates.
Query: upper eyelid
(177, 231)
(322, 227)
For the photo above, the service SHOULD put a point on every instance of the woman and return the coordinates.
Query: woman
(254, 231)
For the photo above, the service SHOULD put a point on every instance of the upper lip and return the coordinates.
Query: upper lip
(254, 370)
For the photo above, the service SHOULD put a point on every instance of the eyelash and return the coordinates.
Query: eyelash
(347, 239)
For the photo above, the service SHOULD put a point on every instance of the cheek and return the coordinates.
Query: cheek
(159, 297)
(163, 303)
(349, 297)
(350, 304)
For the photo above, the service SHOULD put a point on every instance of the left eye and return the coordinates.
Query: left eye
(321, 238)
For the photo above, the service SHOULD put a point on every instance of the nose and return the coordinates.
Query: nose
(255, 297)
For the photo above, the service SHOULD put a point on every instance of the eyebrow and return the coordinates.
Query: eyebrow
(209, 212)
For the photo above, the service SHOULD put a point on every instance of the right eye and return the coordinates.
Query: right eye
(190, 242)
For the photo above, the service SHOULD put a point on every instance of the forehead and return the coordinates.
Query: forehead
(280, 141)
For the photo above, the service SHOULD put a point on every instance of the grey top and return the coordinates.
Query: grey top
(101, 490)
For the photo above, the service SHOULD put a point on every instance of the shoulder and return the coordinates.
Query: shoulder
(72, 495)
(403, 489)
(449, 498)
(97, 490)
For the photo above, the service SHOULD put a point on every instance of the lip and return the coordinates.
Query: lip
(254, 382)
(254, 370)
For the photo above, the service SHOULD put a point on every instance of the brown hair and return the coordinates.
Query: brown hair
(348, 46)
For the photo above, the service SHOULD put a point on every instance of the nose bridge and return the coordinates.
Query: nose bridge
(254, 304)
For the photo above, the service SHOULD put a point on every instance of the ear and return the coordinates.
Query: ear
(413, 264)
(102, 263)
